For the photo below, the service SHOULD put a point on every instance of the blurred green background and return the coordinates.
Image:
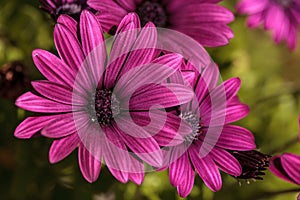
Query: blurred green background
(270, 86)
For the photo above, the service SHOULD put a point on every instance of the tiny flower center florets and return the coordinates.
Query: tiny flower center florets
(193, 121)
(69, 9)
(151, 11)
(285, 3)
(104, 106)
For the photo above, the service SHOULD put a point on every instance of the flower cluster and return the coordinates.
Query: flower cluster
(145, 96)
(279, 16)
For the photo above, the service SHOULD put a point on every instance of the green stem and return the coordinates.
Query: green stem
(275, 193)
(284, 146)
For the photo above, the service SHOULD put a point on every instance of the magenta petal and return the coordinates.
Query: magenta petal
(122, 45)
(165, 95)
(91, 32)
(251, 6)
(163, 126)
(89, 166)
(290, 163)
(127, 4)
(216, 99)
(34, 103)
(226, 162)
(31, 125)
(94, 48)
(62, 126)
(137, 171)
(53, 91)
(61, 148)
(182, 175)
(236, 138)
(140, 142)
(207, 169)
(110, 13)
(207, 81)
(53, 68)
(116, 155)
(185, 188)
(154, 73)
(69, 22)
(68, 47)
(202, 13)
(277, 169)
(144, 49)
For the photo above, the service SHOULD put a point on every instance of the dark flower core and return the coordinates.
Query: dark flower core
(104, 106)
(253, 163)
(193, 121)
(285, 3)
(69, 9)
(152, 11)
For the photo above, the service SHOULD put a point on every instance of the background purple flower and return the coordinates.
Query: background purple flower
(57, 7)
(286, 167)
(282, 17)
(84, 101)
(203, 20)
(210, 140)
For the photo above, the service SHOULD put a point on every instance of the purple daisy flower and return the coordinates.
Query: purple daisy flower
(203, 20)
(286, 167)
(57, 7)
(88, 98)
(211, 141)
(279, 16)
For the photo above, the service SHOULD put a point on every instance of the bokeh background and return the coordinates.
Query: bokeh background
(270, 86)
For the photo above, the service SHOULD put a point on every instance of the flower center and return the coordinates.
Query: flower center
(69, 9)
(104, 106)
(193, 121)
(285, 3)
(253, 163)
(152, 11)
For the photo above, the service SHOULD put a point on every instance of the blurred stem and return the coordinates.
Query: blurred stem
(294, 90)
(274, 193)
(284, 146)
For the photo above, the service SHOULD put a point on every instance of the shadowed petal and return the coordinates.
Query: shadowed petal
(137, 171)
(226, 162)
(69, 22)
(154, 73)
(236, 138)
(110, 13)
(165, 95)
(163, 126)
(68, 47)
(139, 142)
(61, 148)
(290, 163)
(34, 103)
(53, 68)
(207, 169)
(89, 166)
(62, 126)
(144, 49)
(31, 125)
(53, 91)
(116, 155)
(277, 169)
(123, 41)
(94, 48)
